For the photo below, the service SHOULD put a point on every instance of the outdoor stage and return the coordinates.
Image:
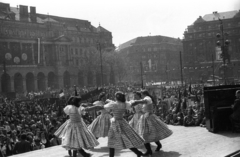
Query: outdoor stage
(185, 142)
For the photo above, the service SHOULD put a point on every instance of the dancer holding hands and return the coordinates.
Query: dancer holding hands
(151, 128)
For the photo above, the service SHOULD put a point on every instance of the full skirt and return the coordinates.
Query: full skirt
(122, 136)
(100, 126)
(61, 130)
(75, 135)
(134, 122)
(152, 129)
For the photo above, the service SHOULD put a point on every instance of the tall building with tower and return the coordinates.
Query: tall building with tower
(203, 46)
(39, 51)
(157, 56)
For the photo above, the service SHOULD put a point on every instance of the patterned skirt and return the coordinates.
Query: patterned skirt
(100, 126)
(75, 135)
(122, 136)
(61, 130)
(134, 122)
(152, 129)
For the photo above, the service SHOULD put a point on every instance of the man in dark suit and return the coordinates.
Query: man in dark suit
(235, 116)
(23, 146)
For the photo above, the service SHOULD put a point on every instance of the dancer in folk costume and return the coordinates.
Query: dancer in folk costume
(151, 128)
(100, 126)
(138, 112)
(121, 135)
(74, 132)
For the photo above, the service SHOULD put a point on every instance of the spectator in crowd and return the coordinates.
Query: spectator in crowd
(235, 116)
(189, 120)
(22, 146)
(179, 119)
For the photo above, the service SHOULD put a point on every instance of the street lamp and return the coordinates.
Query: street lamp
(223, 43)
(101, 66)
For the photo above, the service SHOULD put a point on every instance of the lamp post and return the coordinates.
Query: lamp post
(141, 68)
(181, 67)
(101, 66)
(224, 46)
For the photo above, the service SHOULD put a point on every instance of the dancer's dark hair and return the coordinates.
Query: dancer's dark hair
(120, 96)
(74, 101)
(138, 93)
(101, 95)
(145, 92)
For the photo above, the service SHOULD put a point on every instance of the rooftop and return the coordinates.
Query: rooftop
(214, 16)
(149, 40)
(21, 12)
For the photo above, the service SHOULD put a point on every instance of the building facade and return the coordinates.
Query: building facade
(153, 58)
(40, 51)
(201, 55)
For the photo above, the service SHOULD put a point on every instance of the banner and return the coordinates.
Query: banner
(92, 95)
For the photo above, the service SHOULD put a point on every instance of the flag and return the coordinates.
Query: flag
(179, 101)
(185, 94)
(196, 98)
(190, 89)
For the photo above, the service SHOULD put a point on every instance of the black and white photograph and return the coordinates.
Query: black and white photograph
(120, 78)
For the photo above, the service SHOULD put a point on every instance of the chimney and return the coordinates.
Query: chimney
(33, 10)
(33, 16)
(4, 6)
(23, 13)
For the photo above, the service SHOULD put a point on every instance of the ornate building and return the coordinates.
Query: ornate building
(40, 51)
(202, 56)
(159, 57)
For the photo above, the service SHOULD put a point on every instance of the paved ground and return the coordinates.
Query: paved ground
(185, 142)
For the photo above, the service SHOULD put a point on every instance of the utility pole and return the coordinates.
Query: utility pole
(101, 66)
(181, 67)
(141, 74)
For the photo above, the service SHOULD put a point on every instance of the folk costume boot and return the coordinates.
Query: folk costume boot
(70, 153)
(149, 150)
(111, 152)
(159, 146)
(137, 152)
(83, 153)
(74, 153)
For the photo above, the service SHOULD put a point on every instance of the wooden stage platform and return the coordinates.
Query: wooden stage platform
(185, 142)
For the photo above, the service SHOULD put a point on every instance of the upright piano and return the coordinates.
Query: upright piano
(218, 102)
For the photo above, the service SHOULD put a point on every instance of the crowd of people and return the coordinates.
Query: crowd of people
(182, 107)
(30, 124)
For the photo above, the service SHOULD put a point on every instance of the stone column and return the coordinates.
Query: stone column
(46, 82)
(44, 58)
(12, 83)
(0, 83)
(35, 83)
(60, 81)
(24, 84)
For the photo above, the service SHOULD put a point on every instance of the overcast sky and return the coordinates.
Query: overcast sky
(128, 19)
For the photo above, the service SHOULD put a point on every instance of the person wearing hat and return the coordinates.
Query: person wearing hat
(75, 134)
(22, 146)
